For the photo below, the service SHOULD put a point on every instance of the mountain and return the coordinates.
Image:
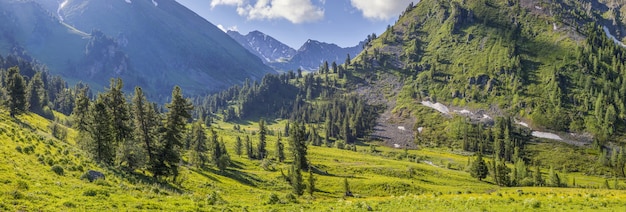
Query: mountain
(548, 66)
(313, 53)
(283, 58)
(265, 47)
(155, 44)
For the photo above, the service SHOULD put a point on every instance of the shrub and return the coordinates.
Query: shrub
(22, 185)
(18, 149)
(214, 199)
(57, 169)
(340, 144)
(69, 204)
(291, 198)
(273, 199)
(90, 193)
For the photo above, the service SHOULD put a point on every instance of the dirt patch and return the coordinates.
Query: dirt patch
(394, 130)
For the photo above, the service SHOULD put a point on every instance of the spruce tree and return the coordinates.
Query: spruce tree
(145, 121)
(297, 146)
(249, 151)
(261, 149)
(16, 91)
(171, 137)
(35, 94)
(479, 169)
(100, 142)
(280, 149)
(238, 146)
(198, 147)
(81, 108)
(118, 110)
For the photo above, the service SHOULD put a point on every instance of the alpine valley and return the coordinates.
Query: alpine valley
(461, 105)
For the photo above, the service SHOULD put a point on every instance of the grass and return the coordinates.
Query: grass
(382, 180)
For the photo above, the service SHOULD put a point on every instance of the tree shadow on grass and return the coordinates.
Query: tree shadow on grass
(137, 178)
(239, 176)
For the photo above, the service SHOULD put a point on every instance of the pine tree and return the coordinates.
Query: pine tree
(479, 169)
(36, 94)
(238, 146)
(346, 188)
(16, 91)
(100, 142)
(198, 147)
(261, 148)
(555, 181)
(118, 110)
(297, 146)
(81, 108)
(280, 149)
(171, 138)
(145, 121)
(296, 180)
(249, 151)
(537, 177)
(224, 159)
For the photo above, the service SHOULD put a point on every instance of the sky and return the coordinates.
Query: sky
(293, 22)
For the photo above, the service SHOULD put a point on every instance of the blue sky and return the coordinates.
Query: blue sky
(343, 22)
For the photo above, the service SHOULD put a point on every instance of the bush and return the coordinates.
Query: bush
(22, 185)
(69, 204)
(57, 169)
(340, 144)
(273, 199)
(215, 199)
(18, 149)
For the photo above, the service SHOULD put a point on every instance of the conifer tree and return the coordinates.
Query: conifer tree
(479, 169)
(171, 137)
(100, 142)
(35, 94)
(261, 148)
(297, 146)
(249, 151)
(198, 147)
(238, 146)
(118, 110)
(81, 108)
(280, 149)
(145, 121)
(16, 91)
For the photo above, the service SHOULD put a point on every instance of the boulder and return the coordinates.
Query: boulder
(94, 175)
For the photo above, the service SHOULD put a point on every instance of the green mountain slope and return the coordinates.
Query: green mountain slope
(549, 64)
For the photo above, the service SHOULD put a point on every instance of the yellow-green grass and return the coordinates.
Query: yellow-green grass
(380, 180)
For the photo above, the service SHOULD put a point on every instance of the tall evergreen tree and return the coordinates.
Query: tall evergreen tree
(261, 149)
(118, 110)
(16, 91)
(238, 146)
(198, 147)
(280, 149)
(479, 169)
(36, 94)
(81, 108)
(145, 121)
(249, 151)
(100, 142)
(171, 137)
(297, 146)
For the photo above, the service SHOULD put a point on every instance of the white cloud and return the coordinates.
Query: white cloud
(232, 28)
(381, 9)
(295, 11)
(227, 2)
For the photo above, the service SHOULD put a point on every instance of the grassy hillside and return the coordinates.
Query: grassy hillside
(380, 177)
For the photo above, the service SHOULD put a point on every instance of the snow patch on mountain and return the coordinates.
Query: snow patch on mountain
(128, 1)
(156, 4)
(608, 34)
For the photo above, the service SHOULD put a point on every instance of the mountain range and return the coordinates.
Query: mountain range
(154, 44)
(284, 58)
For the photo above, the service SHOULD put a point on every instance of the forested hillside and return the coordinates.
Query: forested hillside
(477, 85)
